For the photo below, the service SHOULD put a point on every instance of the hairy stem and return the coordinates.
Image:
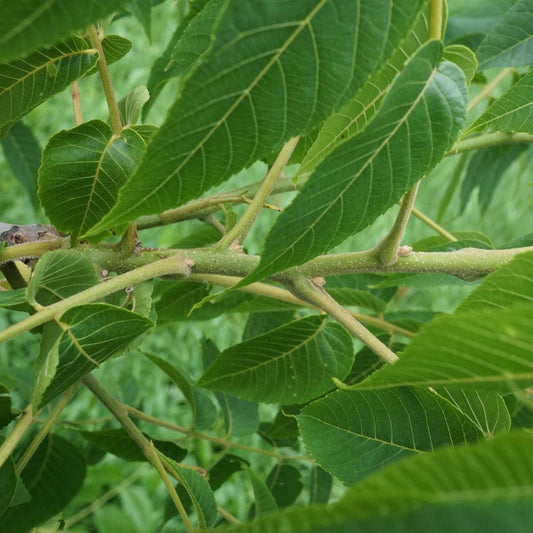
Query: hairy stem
(21, 427)
(150, 452)
(239, 232)
(114, 113)
(308, 291)
(45, 428)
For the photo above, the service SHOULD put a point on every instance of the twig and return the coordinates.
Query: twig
(21, 427)
(76, 103)
(222, 442)
(488, 88)
(489, 139)
(228, 516)
(432, 224)
(114, 112)
(387, 249)
(45, 428)
(242, 227)
(150, 452)
(316, 295)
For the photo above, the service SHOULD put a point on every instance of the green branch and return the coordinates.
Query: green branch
(314, 294)
(150, 452)
(239, 232)
(21, 427)
(489, 139)
(114, 112)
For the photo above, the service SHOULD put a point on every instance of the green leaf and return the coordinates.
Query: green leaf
(320, 485)
(424, 108)
(511, 112)
(130, 106)
(263, 499)
(115, 47)
(47, 362)
(201, 495)
(8, 484)
(82, 171)
(510, 43)
(353, 117)
(487, 410)
(6, 413)
(60, 274)
(285, 483)
(142, 10)
(223, 469)
(53, 476)
(26, 83)
(259, 323)
(119, 443)
(204, 413)
(508, 285)
(486, 351)
(223, 119)
(92, 334)
(26, 26)
(293, 363)
(473, 488)
(463, 57)
(241, 417)
(13, 299)
(353, 433)
(23, 154)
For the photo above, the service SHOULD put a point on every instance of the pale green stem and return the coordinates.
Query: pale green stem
(315, 295)
(283, 295)
(238, 233)
(31, 249)
(174, 264)
(228, 516)
(432, 224)
(45, 428)
(114, 113)
(387, 249)
(104, 498)
(211, 204)
(489, 139)
(488, 88)
(21, 427)
(150, 452)
(76, 103)
(435, 19)
(221, 442)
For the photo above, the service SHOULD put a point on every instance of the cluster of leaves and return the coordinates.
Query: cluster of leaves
(377, 101)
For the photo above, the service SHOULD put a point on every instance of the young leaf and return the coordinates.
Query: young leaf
(26, 83)
(130, 106)
(120, 444)
(115, 47)
(511, 112)
(353, 117)
(60, 274)
(352, 433)
(463, 57)
(26, 26)
(510, 43)
(296, 363)
(82, 171)
(223, 119)
(53, 476)
(204, 413)
(23, 154)
(92, 334)
(418, 121)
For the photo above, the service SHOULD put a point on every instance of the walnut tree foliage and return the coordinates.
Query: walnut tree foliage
(337, 406)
